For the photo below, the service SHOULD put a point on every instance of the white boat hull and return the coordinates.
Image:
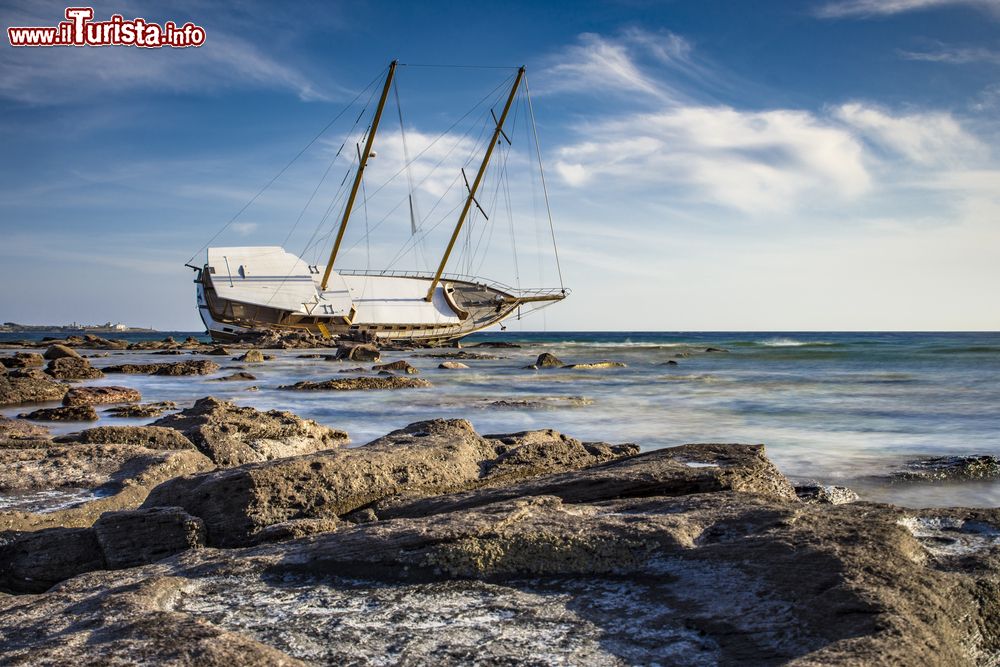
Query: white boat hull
(245, 290)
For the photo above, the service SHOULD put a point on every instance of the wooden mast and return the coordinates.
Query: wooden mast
(357, 177)
(475, 184)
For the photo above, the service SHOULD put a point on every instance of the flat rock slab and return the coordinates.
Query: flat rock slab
(150, 437)
(359, 384)
(397, 367)
(594, 365)
(231, 435)
(123, 474)
(101, 395)
(141, 411)
(192, 367)
(23, 390)
(14, 429)
(76, 413)
(241, 376)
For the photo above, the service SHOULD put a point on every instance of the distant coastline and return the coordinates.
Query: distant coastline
(107, 327)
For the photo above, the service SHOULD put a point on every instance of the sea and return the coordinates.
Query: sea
(832, 408)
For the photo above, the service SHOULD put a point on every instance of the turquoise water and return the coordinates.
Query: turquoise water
(840, 408)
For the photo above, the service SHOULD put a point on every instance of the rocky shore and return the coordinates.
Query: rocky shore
(217, 533)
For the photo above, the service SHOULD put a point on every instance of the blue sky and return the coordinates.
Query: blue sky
(813, 165)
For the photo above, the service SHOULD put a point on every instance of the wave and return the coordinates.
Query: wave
(792, 342)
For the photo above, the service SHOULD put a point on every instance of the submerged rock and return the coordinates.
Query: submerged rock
(72, 368)
(192, 367)
(820, 493)
(219, 351)
(253, 357)
(75, 413)
(231, 435)
(101, 395)
(397, 366)
(141, 411)
(359, 384)
(459, 355)
(237, 377)
(948, 468)
(358, 352)
(595, 365)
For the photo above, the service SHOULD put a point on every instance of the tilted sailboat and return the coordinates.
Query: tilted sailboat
(246, 289)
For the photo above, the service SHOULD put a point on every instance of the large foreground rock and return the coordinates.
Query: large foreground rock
(231, 435)
(423, 459)
(717, 578)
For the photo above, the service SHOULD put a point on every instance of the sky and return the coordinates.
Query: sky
(770, 165)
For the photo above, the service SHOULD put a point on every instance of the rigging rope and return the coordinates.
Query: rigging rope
(545, 190)
(285, 168)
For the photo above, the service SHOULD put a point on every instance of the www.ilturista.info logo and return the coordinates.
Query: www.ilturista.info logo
(80, 30)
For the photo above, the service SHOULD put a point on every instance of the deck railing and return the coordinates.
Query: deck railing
(485, 282)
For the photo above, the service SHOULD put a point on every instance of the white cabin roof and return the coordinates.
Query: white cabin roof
(270, 276)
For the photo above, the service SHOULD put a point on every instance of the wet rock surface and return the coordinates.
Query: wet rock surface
(359, 384)
(192, 367)
(240, 376)
(101, 395)
(231, 435)
(72, 368)
(397, 367)
(141, 410)
(595, 365)
(75, 413)
(824, 493)
(358, 352)
(453, 365)
(949, 468)
(20, 390)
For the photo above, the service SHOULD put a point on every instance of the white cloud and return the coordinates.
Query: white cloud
(751, 161)
(928, 138)
(955, 55)
(244, 228)
(872, 8)
(597, 64)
